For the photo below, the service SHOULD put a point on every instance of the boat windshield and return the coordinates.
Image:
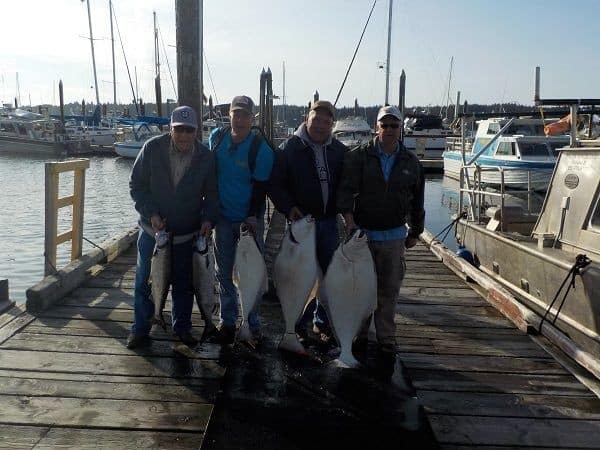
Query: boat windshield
(526, 129)
(533, 149)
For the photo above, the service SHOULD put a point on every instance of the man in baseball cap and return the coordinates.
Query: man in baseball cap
(169, 201)
(382, 192)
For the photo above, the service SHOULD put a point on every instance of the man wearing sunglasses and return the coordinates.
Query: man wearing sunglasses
(173, 184)
(382, 191)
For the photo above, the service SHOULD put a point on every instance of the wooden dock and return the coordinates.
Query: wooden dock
(68, 381)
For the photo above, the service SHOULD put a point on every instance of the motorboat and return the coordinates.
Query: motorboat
(26, 132)
(514, 152)
(549, 261)
(140, 132)
(352, 131)
(96, 135)
(426, 134)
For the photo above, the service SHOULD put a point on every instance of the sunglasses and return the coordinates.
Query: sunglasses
(184, 129)
(385, 126)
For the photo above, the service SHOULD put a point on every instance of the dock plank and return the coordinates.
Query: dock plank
(20, 437)
(110, 364)
(110, 439)
(518, 432)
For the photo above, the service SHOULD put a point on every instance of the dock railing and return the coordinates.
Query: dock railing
(53, 204)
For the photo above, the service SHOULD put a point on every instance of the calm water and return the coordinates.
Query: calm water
(108, 211)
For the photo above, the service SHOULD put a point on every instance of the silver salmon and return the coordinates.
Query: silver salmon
(203, 278)
(160, 273)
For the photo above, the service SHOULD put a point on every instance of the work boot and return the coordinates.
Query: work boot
(188, 339)
(137, 340)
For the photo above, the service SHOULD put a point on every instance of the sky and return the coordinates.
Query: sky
(495, 44)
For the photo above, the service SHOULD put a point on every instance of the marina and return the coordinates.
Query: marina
(408, 274)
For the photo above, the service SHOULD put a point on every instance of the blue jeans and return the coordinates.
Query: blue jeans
(181, 287)
(327, 238)
(227, 236)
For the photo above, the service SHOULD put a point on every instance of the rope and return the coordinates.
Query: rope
(94, 244)
(448, 227)
(581, 261)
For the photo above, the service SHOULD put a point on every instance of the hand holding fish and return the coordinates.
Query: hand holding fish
(252, 224)
(411, 241)
(350, 224)
(157, 223)
(205, 228)
(295, 214)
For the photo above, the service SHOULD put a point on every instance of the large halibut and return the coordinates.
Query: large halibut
(350, 288)
(295, 272)
(250, 277)
(203, 281)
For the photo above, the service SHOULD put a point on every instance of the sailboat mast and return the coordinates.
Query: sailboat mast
(284, 118)
(157, 87)
(112, 40)
(93, 55)
(448, 90)
(387, 63)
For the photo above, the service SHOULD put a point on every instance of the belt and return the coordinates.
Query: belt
(177, 239)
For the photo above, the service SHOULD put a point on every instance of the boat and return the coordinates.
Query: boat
(514, 152)
(25, 132)
(425, 135)
(96, 135)
(352, 131)
(549, 261)
(139, 134)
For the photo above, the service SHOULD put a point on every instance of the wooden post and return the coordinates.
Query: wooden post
(53, 204)
(188, 36)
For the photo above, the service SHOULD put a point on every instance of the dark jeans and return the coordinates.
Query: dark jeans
(327, 238)
(181, 287)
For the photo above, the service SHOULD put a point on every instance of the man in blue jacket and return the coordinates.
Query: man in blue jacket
(304, 181)
(174, 187)
(244, 162)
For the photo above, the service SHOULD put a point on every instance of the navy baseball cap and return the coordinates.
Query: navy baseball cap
(184, 116)
(242, 102)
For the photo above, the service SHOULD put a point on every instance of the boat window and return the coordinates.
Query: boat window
(554, 146)
(505, 149)
(533, 149)
(493, 128)
(521, 129)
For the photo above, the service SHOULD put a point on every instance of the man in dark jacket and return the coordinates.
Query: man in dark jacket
(304, 181)
(382, 189)
(173, 184)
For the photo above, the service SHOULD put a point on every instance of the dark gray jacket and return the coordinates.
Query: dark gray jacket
(378, 204)
(193, 201)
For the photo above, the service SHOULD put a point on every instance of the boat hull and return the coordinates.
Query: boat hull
(128, 149)
(534, 275)
(15, 145)
(516, 175)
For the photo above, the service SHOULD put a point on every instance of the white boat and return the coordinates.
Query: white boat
(522, 155)
(352, 131)
(96, 135)
(425, 135)
(140, 133)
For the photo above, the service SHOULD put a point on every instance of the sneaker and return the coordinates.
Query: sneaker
(188, 339)
(134, 341)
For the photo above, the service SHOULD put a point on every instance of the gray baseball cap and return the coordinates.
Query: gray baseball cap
(184, 116)
(389, 111)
